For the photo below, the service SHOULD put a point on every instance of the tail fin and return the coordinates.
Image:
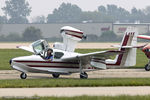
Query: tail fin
(128, 45)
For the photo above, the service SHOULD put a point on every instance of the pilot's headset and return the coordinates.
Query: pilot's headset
(49, 49)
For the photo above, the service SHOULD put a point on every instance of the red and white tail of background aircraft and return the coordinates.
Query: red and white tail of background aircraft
(65, 61)
(146, 50)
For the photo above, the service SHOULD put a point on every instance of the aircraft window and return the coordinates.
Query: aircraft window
(146, 50)
(39, 47)
(58, 55)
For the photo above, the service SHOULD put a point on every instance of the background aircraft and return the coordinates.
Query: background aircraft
(146, 50)
(65, 61)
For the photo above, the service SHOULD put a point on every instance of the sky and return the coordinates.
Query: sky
(44, 7)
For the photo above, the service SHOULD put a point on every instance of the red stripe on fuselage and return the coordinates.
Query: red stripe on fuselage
(46, 62)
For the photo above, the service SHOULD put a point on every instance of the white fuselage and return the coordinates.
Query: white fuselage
(37, 64)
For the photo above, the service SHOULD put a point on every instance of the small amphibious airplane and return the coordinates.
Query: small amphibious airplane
(62, 60)
(146, 50)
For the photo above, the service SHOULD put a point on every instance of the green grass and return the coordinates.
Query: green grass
(28, 83)
(121, 97)
(7, 54)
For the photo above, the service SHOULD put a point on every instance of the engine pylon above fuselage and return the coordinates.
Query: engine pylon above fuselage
(71, 36)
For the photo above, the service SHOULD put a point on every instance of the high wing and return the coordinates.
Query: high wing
(144, 37)
(26, 48)
(128, 47)
(100, 54)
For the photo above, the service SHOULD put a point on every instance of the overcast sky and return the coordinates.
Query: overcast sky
(44, 7)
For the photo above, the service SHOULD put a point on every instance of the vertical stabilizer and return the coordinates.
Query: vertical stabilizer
(128, 58)
(130, 39)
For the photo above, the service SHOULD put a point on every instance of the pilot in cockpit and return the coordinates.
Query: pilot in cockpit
(49, 55)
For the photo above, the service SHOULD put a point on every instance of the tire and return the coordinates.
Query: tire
(83, 75)
(23, 75)
(147, 67)
(55, 75)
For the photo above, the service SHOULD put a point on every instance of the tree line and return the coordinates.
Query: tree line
(32, 34)
(29, 34)
(17, 11)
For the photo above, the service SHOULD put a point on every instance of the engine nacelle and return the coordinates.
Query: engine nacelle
(70, 38)
(71, 33)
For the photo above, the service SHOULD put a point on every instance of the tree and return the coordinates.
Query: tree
(102, 9)
(65, 13)
(17, 10)
(3, 20)
(39, 20)
(13, 37)
(92, 38)
(108, 36)
(32, 34)
(147, 14)
(114, 12)
(117, 13)
(95, 17)
(133, 16)
(147, 10)
(136, 15)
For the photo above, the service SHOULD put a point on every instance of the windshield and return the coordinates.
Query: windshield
(39, 46)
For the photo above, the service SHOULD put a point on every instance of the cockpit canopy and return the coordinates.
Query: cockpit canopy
(39, 46)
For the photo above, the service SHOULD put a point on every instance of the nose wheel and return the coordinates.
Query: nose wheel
(83, 75)
(23, 75)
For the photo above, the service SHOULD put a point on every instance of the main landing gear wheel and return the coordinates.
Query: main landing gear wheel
(23, 75)
(55, 75)
(147, 67)
(84, 75)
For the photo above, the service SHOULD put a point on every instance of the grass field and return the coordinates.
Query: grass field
(36, 83)
(7, 54)
(122, 97)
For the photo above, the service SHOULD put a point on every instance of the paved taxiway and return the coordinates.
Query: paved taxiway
(109, 73)
(78, 91)
(75, 91)
(79, 45)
